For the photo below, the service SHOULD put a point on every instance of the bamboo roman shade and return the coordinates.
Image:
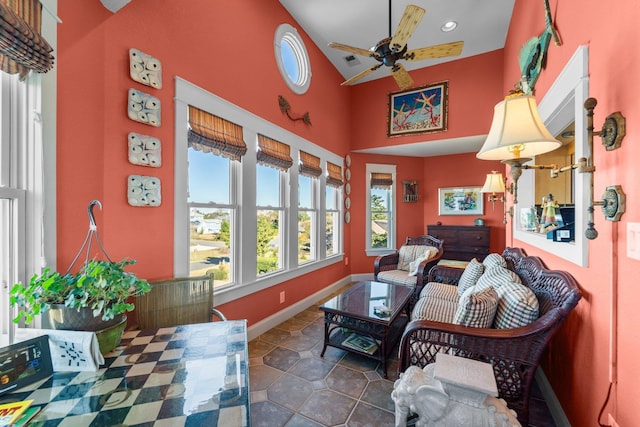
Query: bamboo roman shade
(335, 175)
(310, 165)
(22, 48)
(212, 134)
(274, 153)
(381, 180)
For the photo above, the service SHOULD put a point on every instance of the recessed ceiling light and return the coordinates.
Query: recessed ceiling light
(449, 26)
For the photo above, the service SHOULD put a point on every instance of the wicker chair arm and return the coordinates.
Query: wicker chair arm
(385, 262)
(444, 274)
(514, 353)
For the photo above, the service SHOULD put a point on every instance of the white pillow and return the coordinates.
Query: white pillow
(415, 264)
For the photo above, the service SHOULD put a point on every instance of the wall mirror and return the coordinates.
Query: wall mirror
(562, 106)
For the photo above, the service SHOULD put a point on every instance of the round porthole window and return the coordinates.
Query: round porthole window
(292, 59)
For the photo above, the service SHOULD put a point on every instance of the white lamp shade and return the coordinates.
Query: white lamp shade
(516, 122)
(493, 183)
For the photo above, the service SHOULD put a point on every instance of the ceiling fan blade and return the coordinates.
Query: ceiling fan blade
(356, 50)
(360, 75)
(437, 51)
(408, 23)
(401, 76)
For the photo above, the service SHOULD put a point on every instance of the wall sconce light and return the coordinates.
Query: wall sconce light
(495, 183)
(517, 129)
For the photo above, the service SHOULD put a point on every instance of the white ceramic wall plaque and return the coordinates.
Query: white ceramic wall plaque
(145, 69)
(144, 108)
(144, 150)
(143, 190)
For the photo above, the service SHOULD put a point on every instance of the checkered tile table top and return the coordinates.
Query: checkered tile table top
(191, 375)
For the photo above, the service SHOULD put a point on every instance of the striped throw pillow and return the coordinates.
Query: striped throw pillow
(470, 276)
(494, 260)
(496, 277)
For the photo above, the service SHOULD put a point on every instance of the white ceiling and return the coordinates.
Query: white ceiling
(482, 25)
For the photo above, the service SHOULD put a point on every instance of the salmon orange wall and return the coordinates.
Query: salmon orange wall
(412, 218)
(472, 96)
(580, 363)
(223, 47)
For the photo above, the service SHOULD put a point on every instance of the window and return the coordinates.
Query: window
(270, 219)
(22, 182)
(381, 208)
(211, 216)
(292, 59)
(214, 146)
(307, 219)
(332, 218)
(249, 218)
(558, 109)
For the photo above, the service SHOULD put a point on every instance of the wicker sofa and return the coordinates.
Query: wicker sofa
(394, 268)
(514, 352)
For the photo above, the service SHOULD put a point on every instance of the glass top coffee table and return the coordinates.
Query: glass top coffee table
(366, 319)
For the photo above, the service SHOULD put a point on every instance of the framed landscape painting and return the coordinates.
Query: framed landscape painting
(460, 201)
(418, 110)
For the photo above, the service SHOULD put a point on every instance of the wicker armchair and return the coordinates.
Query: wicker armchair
(514, 353)
(388, 263)
(179, 301)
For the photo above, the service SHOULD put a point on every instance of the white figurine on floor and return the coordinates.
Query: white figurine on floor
(416, 391)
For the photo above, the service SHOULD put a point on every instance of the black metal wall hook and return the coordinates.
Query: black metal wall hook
(92, 220)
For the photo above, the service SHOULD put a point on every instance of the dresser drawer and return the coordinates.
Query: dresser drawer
(462, 242)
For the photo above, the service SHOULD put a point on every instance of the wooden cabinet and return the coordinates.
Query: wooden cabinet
(462, 242)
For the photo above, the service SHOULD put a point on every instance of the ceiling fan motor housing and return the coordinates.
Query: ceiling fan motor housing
(384, 54)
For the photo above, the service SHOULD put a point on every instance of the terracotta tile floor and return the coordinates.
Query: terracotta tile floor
(291, 385)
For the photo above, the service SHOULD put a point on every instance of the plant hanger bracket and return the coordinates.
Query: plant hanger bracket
(91, 233)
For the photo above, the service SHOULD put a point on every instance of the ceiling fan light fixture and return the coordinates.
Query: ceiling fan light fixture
(449, 26)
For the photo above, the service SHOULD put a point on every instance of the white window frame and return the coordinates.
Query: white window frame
(28, 176)
(246, 279)
(391, 241)
(288, 34)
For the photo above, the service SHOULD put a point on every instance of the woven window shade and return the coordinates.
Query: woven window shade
(335, 175)
(310, 165)
(22, 48)
(212, 134)
(274, 153)
(381, 180)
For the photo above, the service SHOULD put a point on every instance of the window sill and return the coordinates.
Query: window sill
(232, 293)
(378, 252)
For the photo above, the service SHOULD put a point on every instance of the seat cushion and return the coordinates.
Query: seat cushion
(477, 310)
(397, 276)
(440, 291)
(436, 309)
(470, 275)
(409, 253)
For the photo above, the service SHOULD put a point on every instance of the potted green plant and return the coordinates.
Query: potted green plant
(95, 298)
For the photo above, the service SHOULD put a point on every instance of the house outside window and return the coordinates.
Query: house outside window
(381, 221)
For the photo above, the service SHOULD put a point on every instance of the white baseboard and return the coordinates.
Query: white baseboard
(275, 319)
(555, 408)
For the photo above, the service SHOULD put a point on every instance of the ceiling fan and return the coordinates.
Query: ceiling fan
(391, 49)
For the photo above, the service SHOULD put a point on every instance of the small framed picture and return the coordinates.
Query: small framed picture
(460, 201)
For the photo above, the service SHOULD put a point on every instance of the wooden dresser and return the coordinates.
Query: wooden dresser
(462, 242)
